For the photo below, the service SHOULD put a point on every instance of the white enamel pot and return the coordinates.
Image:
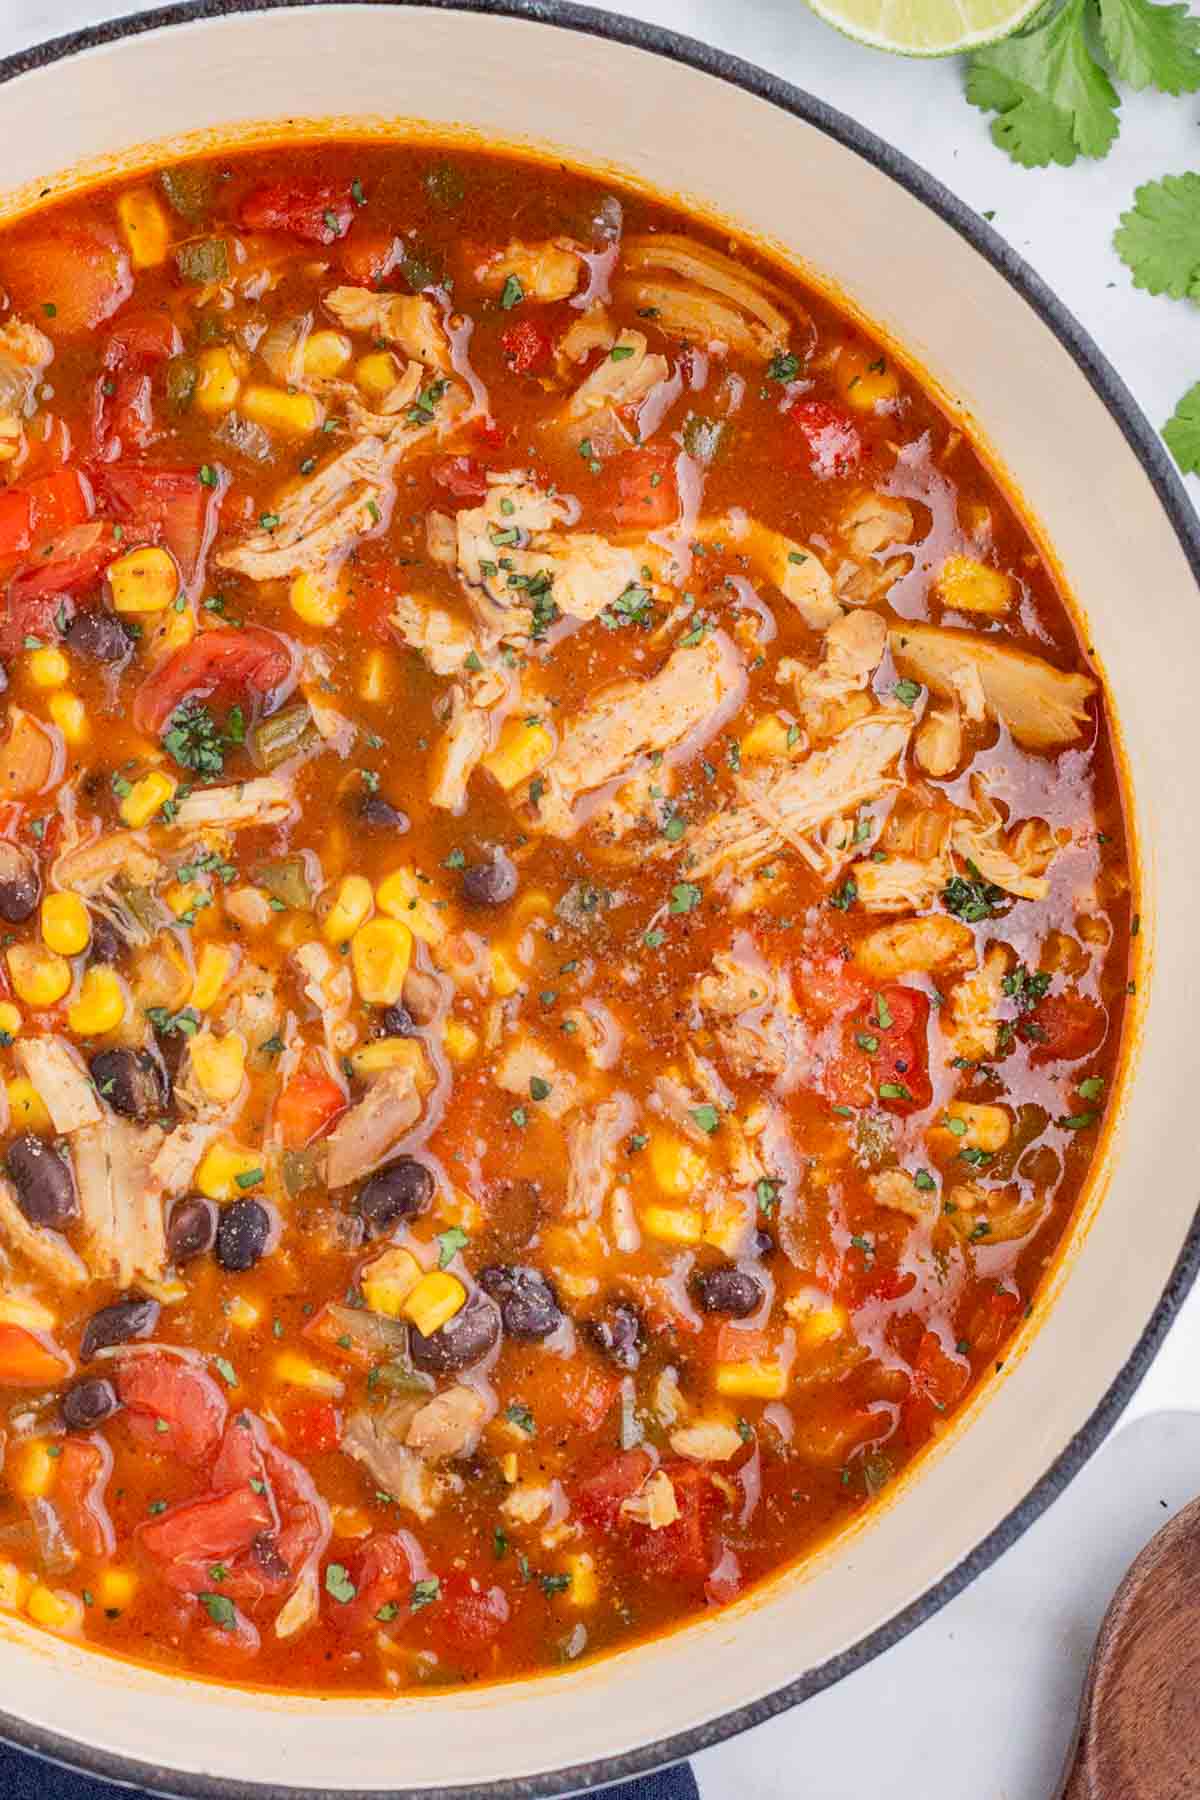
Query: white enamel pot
(926, 272)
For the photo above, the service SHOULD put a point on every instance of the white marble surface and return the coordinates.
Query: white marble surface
(980, 1700)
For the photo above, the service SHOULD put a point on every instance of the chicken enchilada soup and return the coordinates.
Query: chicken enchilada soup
(566, 916)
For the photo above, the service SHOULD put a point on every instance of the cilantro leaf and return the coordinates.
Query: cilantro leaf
(1054, 100)
(1182, 432)
(1152, 46)
(1159, 239)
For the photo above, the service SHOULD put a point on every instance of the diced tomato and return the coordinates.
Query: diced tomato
(682, 1551)
(831, 442)
(589, 1394)
(640, 490)
(160, 1390)
(598, 1498)
(173, 507)
(69, 279)
(382, 1573)
(461, 476)
(84, 1468)
(316, 212)
(188, 1539)
(31, 512)
(885, 1054)
(370, 255)
(70, 566)
(313, 1427)
(251, 664)
(296, 1526)
(992, 1320)
(122, 415)
(937, 1381)
(1064, 1027)
(31, 1358)
(466, 1616)
(489, 433)
(827, 988)
(308, 1105)
(527, 346)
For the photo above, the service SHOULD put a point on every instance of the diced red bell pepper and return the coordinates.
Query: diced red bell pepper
(308, 1105)
(527, 346)
(461, 477)
(251, 664)
(1064, 1027)
(31, 1359)
(80, 1484)
(69, 278)
(828, 438)
(159, 1390)
(316, 212)
(640, 490)
(173, 507)
(937, 1382)
(35, 512)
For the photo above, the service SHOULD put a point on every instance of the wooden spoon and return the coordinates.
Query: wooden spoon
(1139, 1719)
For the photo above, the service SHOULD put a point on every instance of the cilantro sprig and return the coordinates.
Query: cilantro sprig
(1158, 240)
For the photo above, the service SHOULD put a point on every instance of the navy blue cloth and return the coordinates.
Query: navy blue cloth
(29, 1778)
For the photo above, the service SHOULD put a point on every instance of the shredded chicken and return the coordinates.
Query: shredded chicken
(620, 382)
(444, 641)
(916, 946)
(320, 517)
(120, 1199)
(753, 1013)
(699, 294)
(973, 1013)
(368, 1133)
(593, 1141)
(116, 874)
(691, 693)
(410, 321)
(268, 800)
(527, 1067)
(896, 1190)
(449, 1425)
(546, 272)
(1015, 860)
(460, 750)
(63, 1084)
(47, 1250)
(654, 1504)
(900, 883)
(708, 1440)
(852, 650)
(178, 1156)
(871, 528)
(328, 987)
(377, 1441)
(1043, 707)
(795, 569)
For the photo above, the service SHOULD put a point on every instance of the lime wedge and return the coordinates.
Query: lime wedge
(926, 27)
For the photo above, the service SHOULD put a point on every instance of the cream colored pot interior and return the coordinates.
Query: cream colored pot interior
(686, 132)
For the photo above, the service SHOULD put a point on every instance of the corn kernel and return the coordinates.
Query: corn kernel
(966, 1126)
(866, 380)
(70, 715)
(145, 228)
(460, 1039)
(25, 1106)
(220, 1166)
(536, 904)
(39, 977)
(274, 408)
(326, 353)
(350, 1522)
(55, 1608)
(242, 1313)
(34, 1475)
(15, 1586)
(16, 1309)
(101, 1003)
(399, 896)
(218, 1064)
(678, 1168)
(186, 897)
(583, 1590)
(144, 580)
(521, 751)
(146, 797)
(388, 1053)
(971, 586)
(726, 1224)
(375, 681)
(752, 1380)
(168, 632)
(318, 602)
(10, 1019)
(298, 1371)
(377, 374)
(388, 1280)
(351, 908)
(115, 1587)
(212, 972)
(66, 924)
(217, 381)
(510, 1466)
(435, 1300)
(821, 1323)
(768, 737)
(380, 952)
(48, 667)
(674, 1224)
(506, 977)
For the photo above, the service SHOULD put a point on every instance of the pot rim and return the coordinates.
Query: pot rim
(1155, 460)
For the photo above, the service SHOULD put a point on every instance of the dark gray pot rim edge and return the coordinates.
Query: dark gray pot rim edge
(1155, 460)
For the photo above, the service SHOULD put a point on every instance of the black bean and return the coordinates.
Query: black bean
(397, 1021)
(764, 1244)
(528, 1304)
(463, 1340)
(43, 1180)
(490, 883)
(618, 1334)
(107, 943)
(242, 1234)
(380, 813)
(134, 1082)
(120, 1323)
(733, 1292)
(192, 1228)
(400, 1190)
(89, 1403)
(20, 884)
(97, 634)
